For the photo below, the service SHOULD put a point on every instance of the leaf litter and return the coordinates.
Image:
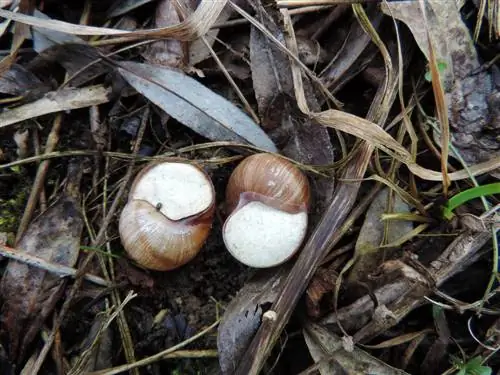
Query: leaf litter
(213, 82)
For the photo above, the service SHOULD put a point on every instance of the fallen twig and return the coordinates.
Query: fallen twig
(59, 269)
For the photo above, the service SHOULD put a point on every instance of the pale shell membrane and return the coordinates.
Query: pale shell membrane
(261, 236)
(180, 190)
(157, 243)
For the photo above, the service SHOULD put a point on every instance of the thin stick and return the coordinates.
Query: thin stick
(38, 152)
(58, 269)
(244, 21)
(41, 173)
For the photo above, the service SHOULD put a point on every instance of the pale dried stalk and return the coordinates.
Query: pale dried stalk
(195, 25)
(308, 3)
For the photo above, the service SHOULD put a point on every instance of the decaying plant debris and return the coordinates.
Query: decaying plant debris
(390, 108)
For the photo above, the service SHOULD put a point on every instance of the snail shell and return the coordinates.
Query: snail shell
(267, 199)
(168, 215)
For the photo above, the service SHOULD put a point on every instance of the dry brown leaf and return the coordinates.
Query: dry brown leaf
(323, 344)
(30, 293)
(376, 136)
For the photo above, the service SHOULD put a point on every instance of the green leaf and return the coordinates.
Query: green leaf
(467, 195)
(474, 367)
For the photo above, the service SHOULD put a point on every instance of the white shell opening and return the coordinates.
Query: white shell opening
(179, 190)
(261, 236)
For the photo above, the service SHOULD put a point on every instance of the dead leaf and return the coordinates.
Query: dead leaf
(30, 293)
(368, 253)
(21, 31)
(324, 344)
(81, 61)
(194, 105)
(198, 51)
(376, 136)
(18, 81)
(355, 53)
(46, 38)
(195, 25)
(322, 283)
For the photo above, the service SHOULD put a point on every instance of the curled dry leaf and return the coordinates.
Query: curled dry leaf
(30, 293)
(194, 105)
(198, 23)
(376, 136)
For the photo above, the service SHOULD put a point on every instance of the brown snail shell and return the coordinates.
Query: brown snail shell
(267, 199)
(168, 215)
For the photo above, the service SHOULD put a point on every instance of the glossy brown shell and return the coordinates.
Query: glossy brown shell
(270, 179)
(157, 242)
